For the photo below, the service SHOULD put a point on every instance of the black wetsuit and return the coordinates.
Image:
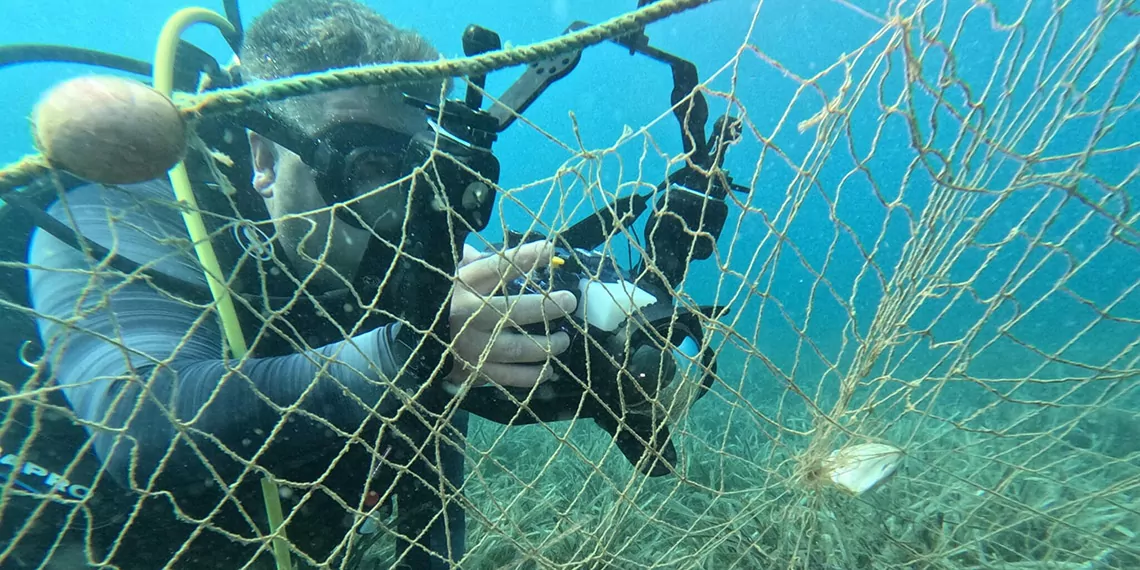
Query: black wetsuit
(129, 356)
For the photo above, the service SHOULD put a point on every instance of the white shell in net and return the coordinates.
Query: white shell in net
(860, 468)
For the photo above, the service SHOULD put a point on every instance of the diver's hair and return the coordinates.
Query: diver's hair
(304, 36)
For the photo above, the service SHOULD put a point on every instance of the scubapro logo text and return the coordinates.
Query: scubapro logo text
(42, 479)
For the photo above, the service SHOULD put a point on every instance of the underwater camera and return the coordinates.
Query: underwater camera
(634, 364)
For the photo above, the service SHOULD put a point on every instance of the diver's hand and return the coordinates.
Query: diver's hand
(485, 339)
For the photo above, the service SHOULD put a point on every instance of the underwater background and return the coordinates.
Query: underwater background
(1001, 351)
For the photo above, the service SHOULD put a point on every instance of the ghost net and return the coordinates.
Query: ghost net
(937, 254)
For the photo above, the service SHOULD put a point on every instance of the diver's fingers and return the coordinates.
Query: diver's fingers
(508, 347)
(486, 274)
(487, 312)
(516, 375)
(470, 255)
(504, 374)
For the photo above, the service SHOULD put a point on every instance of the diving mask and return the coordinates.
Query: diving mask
(360, 163)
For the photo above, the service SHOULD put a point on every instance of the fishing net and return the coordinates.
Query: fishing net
(937, 253)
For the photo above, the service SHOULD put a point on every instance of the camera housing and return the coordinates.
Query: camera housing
(635, 364)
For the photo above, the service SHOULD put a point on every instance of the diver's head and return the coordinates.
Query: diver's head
(370, 127)
(374, 130)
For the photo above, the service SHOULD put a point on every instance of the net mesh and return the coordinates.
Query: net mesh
(938, 253)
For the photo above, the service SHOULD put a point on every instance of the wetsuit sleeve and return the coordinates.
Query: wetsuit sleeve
(144, 368)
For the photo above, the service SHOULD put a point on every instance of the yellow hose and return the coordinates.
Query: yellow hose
(191, 215)
(180, 180)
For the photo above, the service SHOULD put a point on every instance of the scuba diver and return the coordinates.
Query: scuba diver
(342, 222)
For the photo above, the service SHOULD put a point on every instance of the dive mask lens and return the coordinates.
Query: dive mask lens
(368, 169)
(352, 160)
(372, 178)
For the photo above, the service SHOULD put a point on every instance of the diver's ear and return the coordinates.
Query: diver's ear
(263, 153)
